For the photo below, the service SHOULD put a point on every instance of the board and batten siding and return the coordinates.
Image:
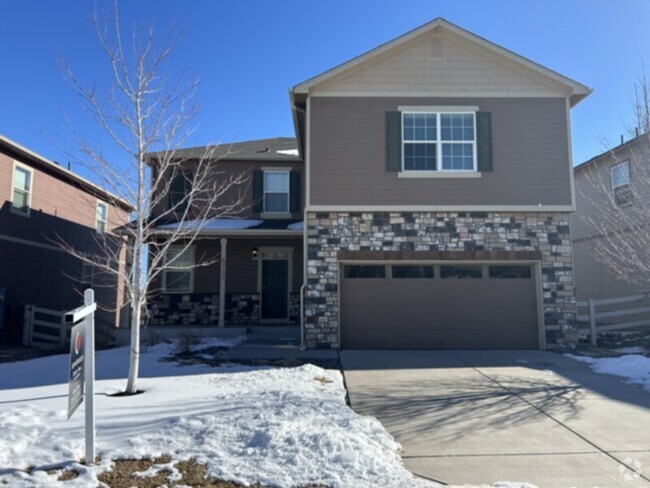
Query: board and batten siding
(530, 155)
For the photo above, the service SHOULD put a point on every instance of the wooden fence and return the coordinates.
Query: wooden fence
(43, 327)
(610, 314)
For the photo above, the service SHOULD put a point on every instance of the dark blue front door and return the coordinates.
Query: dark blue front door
(275, 292)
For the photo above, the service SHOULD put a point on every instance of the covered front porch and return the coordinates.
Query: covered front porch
(254, 278)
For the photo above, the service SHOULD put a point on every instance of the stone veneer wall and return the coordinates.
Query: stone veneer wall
(329, 233)
(203, 309)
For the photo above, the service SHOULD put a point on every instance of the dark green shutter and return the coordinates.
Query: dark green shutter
(393, 141)
(294, 189)
(258, 191)
(484, 140)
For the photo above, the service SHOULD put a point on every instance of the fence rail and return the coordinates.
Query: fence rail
(43, 327)
(593, 316)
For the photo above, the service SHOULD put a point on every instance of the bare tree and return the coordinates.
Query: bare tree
(147, 114)
(641, 106)
(616, 199)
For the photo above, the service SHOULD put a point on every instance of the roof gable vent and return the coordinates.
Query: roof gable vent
(436, 47)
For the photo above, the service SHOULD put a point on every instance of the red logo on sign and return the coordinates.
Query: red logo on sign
(77, 343)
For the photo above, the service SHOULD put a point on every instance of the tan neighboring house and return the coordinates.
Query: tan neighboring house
(424, 203)
(617, 177)
(43, 204)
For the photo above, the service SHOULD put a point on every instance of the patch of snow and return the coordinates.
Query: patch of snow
(210, 342)
(633, 367)
(289, 152)
(631, 350)
(213, 224)
(296, 226)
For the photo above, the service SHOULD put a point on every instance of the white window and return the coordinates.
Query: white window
(101, 217)
(276, 191)
(179, 275)
(620, 180)
(22, 190)
(439, 141)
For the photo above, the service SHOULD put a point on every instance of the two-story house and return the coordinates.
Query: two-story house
(612, 199)
(433, 208)
(45, 208)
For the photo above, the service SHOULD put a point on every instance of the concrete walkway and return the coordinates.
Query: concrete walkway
(488, 416)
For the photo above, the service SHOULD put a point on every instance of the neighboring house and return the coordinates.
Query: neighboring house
(43, 205)
(436, 192)
(603, 183)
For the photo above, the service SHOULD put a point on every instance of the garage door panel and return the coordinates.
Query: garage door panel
(453, 313)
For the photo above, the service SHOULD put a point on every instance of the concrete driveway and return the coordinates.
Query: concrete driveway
(488, 416)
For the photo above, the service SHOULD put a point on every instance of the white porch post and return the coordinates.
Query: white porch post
(222, 282)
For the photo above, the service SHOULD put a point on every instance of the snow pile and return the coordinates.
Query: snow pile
(275, 426)
(296, 226)
(633, 367)
(631, 350)
(289, 152)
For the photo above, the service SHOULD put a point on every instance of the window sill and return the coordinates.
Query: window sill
(18, 212)
(439, 174)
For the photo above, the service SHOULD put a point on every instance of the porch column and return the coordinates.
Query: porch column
(222, 282)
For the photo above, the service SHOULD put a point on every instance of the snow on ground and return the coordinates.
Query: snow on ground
(635, 368)
(290, 152)
(276, 426)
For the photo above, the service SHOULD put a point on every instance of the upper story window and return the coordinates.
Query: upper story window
(620, 180)
(276, 191)
(179, 188)
(22, 190)
(439, 141)
(101, 217)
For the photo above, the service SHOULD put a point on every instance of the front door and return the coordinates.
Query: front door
(275, 289)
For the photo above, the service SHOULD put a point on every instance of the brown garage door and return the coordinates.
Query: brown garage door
(440, 306)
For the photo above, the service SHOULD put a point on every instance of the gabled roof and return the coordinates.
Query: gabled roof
(275, 149)
(615, 151)
(577, 90)
(62, 172)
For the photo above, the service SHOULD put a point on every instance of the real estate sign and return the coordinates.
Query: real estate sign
(76, 374)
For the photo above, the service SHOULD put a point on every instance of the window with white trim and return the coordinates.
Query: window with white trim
(22, 190)
(276, 191)
(620, 180)
(178, 276)
(101, 217)
(439, 141)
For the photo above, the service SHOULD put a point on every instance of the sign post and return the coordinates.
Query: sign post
(82, 366)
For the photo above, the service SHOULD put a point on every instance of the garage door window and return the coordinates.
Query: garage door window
(412, 271)
(365, 271)
(509, 272)
(461, 272)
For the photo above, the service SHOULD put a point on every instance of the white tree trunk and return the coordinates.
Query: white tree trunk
(134, 357)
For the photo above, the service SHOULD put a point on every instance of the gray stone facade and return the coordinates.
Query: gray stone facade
(203, 309)
(546, 234)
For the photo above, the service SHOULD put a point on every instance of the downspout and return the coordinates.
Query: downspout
(304, 240)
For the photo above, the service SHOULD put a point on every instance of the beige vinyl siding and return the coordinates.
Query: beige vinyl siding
(463, 68)
(592, 278)
(593, 191)
(529, 152)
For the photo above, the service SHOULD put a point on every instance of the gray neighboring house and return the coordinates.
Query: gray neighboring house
(602, 181)
(436, 187)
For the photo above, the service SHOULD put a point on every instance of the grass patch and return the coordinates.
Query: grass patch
(193, 474)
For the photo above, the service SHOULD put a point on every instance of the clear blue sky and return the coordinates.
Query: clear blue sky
(248, 53)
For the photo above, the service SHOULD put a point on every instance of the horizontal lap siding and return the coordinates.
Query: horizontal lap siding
(529, 144)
